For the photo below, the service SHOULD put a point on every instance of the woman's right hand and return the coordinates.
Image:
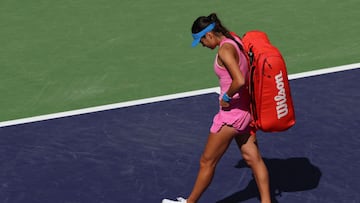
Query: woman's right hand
(224, 104)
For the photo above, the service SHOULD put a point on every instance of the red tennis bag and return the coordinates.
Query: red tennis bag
(271, 103)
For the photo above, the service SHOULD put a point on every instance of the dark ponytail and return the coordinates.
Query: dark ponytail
(203, 21)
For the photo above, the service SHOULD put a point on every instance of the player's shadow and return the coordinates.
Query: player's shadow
(286, 175)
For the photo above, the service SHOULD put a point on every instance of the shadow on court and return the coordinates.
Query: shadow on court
(286, 175)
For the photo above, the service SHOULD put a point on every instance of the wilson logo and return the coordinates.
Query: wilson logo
(280, 98)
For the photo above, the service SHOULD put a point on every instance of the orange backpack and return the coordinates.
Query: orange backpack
(271, 103)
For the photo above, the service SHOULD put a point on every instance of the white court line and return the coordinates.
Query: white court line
(324, 71)
(162, 98)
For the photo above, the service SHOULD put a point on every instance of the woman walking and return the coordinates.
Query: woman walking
(233, 119)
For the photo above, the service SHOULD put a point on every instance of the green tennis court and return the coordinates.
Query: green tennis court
(58, 56)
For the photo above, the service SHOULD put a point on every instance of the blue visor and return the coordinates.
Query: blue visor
(197, 36)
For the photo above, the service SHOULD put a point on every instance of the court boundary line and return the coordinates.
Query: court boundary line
(162, 98)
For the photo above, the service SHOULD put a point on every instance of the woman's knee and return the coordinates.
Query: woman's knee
(251, 157)
(248, 159)
(207, 161)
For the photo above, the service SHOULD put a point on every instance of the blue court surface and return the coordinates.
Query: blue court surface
(148, 152)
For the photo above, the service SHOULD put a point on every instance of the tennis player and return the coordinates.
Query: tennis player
(234, 118)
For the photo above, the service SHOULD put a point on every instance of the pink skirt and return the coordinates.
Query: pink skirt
(236, 118)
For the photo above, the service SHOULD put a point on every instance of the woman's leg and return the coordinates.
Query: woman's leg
(215, 147)
(251, 154)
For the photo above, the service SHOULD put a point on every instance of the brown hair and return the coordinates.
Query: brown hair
(203, 21)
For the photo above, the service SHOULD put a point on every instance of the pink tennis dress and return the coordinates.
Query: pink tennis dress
(238, 113)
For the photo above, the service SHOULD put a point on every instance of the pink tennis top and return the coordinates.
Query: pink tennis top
(237, 114)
